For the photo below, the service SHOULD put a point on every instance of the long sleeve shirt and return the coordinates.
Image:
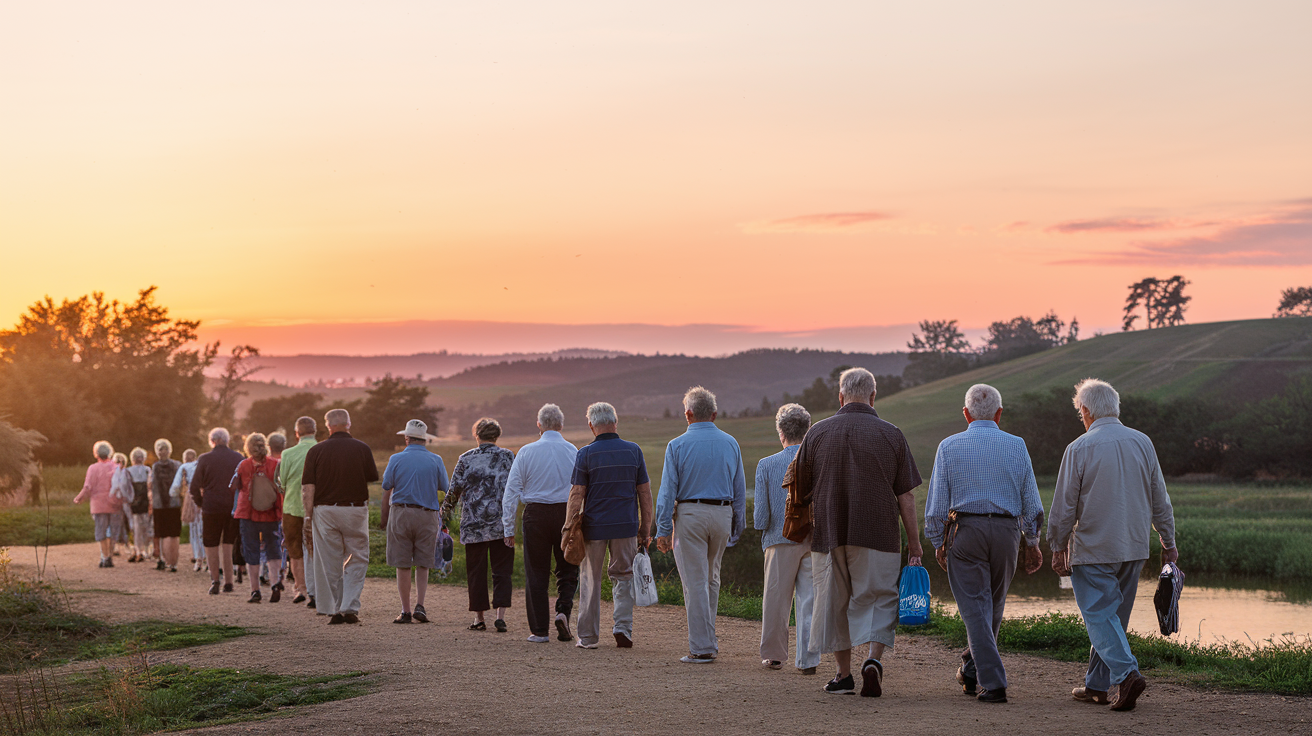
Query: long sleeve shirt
(1110, 494)
(96, 488)
(983, 471)
(770, 498)
(541, 473)
(704, 462)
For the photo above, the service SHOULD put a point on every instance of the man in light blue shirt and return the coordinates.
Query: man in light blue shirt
(411, 482)
(701, 509)
(982, 498)
(541, 477)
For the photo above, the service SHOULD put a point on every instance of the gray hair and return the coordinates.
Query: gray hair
(306, 426)
(1098, 397)
(188, 455)
(121, 459)
(487, 429)
(983, 401)
(701, 403)
(138, 455)
(255, 439)
(103, 450)
(337, 418)
(551, 417)
(792, 421)
(220, 436)
(602, 414)
(856, 384)
(163, 447)
(277, 442)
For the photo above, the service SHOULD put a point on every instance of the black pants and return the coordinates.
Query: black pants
(542, 524)
(502, 558)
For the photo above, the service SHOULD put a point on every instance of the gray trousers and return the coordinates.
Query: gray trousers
(701, 533)
(981, 563)
(622, 552)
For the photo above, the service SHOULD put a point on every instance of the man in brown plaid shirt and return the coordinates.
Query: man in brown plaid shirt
(857, 472)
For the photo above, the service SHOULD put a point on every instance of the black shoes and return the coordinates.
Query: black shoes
(310, 605)
(968, 684)
(404, 618)
(420, 615)
(160, 565)
(255, 597)
(500, 625)
(809, 671)
(844, 686)
(351, 618)
(214, 588)
(622, 640)
(275, 594)
(562, 628)
(335, 619)
(872, 679)
(993, 696)
(240, 574)
(300, 598)
(227, 587)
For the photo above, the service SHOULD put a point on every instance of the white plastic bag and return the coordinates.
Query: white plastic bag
(644, 585)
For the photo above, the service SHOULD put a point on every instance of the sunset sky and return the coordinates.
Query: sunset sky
(779, 166)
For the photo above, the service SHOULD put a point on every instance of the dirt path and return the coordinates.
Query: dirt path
(440, 678)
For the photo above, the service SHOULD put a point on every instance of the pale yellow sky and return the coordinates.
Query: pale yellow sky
(782, 165)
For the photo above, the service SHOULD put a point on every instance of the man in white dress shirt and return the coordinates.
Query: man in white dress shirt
(540, 477)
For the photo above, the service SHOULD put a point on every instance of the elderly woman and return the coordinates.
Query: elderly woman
(134, 488)
(787, 563)
(104, 507)
(166, 508)
(188, 513)
(120, 490)
(478, 483)
(259, 514)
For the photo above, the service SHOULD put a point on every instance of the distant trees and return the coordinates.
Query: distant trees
(1295, 302)
(387, 406)
(281, 412)
(17, 462)
(1021, 336)
(239, 368)
(1163, 302)
(939, 350)
(822, 395)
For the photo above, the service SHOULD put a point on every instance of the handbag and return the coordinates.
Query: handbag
(797, 516)
(644, 584)
(572, 543)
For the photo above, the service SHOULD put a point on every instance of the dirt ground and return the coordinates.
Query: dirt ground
(440, 678)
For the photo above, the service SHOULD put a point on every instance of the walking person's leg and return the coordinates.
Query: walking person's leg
(537, 563)
(567, 575)
(776, 603)
(808, 657)
(476, 564)
(692, 557)
(872, 612)
(293, 536)
(1099, 594)
(330, 556)
(250, 543)
(589, 623)
(719, 528)
(970, 576)
(829, 619)
(503, 568)
(622, 552)
(271, 539)
(307, 541)
(355, 538)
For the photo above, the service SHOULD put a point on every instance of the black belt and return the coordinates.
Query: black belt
(345, 503)
(707, 501)
(411, 506)
(991, 516)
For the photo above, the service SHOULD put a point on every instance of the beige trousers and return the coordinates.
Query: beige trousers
(341, 557)
(788, 584)
(855, 598)
(622, 552)
(701, 533)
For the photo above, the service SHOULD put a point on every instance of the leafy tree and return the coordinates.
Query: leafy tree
(1023, 336)
(1046, 421)
(938, 351)
(822, 395)
(89, 369)
(1163, 301)
(387, 406)
(1295, 302)
(17, 464)
(240, 366)
(281, 412)
(1273, 436)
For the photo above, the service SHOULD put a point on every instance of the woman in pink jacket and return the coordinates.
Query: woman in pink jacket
(104, 508)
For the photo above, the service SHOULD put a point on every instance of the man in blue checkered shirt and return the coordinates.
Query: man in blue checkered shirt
(983, 479)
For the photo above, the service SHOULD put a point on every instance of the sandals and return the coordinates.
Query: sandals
(478, 626)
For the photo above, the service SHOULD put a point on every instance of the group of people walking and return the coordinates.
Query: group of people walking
(851, 475)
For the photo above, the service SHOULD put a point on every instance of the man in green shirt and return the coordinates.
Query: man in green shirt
(296, 535)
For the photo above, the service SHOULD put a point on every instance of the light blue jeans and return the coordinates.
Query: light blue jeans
(196, 535)
(1105, 594)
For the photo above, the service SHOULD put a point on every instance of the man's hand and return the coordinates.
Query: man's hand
(663, 544)
(644, 540)
(914, 552)
(510, 542)
(1033, 559)
(1171, 554)
(1061, 563)
(941, 554)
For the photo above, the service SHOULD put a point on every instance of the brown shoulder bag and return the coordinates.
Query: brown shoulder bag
(797, 516)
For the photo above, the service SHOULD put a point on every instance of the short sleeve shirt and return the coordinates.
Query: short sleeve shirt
(611, 469)
(852, 467)
(340, 468)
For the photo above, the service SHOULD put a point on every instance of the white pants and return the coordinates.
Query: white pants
(341, 557)
(788, 585)
(701, 532)
(307, 535)
(855, 597)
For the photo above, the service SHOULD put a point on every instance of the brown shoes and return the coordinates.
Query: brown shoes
(1124, 695)
(1085, 695)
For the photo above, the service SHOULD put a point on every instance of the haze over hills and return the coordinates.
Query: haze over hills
(355, 370)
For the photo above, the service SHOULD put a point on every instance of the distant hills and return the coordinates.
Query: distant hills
(354, 370)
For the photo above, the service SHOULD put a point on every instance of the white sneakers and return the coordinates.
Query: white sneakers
(538, 639)
(581, 645)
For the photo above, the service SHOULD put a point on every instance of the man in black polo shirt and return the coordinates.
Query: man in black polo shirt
(335, 490)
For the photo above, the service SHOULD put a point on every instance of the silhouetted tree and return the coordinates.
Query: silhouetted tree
(281, 412)
(1023, 336)
(387, 406)
(938, 351)
(1163, 301)
(240, 366)
(1295, 302)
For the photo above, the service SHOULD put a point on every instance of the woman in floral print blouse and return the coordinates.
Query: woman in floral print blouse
(477, 483)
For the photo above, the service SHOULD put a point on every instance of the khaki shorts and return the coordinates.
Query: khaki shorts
(292, 539)
(411, 536)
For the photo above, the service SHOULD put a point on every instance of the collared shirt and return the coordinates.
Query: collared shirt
(478, 483)
(770, 497)
(1110, 494)
(851, 468)
(182, 480)
(704, 462)
(289, 475)
(209, 485)
(340, 468)
(415, 475)
(611, 469)
(96, 487)
(541, 473)
(983, 471)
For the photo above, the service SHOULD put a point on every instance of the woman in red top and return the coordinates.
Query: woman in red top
(258, 510)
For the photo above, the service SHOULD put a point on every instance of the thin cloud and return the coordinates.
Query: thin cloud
(1110, 224)
(826, 222)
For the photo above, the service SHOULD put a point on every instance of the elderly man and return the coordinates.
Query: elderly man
(856, 472)
(982, 498)
(411, 482)
(212, 494)
(703, 499)
(295, 532)
(1110, 494)
(335, 493)
(610, 482)
(540, 477)
(788, 585)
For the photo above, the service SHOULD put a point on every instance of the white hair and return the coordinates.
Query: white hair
(701, 402)
(602, 414)
(983, 401)
(856, 384)
(103, 450)
(792, 421)
(188, 455)
(138, 455)
(551, 417)
(337, 418)
(163, 447)
(1098, 397)
(219, 436)
(306, 426)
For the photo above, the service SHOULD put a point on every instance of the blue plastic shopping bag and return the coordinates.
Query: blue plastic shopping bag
(913, 596)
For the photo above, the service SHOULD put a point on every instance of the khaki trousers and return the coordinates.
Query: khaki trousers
(622, 552)
(341, 557)
(701, 532)
(788, 585)
(855, 597)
